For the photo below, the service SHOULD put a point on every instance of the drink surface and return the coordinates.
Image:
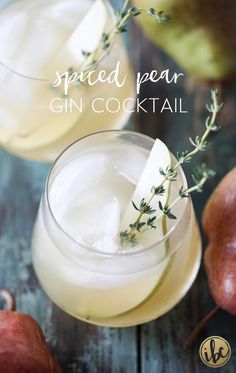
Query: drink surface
(84, 271)
(29, 125)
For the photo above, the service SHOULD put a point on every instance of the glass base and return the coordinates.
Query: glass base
(176, 283)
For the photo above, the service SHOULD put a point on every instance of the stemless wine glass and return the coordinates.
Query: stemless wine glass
(37, 121)
(77, 254)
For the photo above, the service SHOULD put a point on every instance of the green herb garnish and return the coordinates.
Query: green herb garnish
(148, 217)
(91, 58)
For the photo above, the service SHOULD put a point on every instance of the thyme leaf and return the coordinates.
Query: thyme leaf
(201, 174)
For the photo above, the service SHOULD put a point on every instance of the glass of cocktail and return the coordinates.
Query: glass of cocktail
(78, 253)
(39, 38)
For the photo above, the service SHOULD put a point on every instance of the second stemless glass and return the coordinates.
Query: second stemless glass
(111, 288)
(36, 121)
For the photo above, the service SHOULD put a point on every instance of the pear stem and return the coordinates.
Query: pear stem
(9, 299)
(200, 327)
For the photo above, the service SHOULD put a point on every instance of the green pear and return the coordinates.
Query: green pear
(201, 35)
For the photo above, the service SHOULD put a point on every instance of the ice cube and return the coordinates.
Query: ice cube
(96, 226)
(79, 176)
(132, 164)
(107, 228)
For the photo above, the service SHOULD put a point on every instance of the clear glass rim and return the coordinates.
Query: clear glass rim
(122, 252)
(111, 13)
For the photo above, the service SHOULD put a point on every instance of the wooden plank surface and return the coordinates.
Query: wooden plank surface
(157, 346)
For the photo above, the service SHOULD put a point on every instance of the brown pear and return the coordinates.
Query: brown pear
(23, 348)
(219, 222)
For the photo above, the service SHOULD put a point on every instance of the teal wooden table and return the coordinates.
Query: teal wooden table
(155, 347)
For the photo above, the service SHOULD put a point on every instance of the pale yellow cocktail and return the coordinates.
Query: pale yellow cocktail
(36, 120)
(77, 253)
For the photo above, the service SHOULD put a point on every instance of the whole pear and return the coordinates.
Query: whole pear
(22, 346)
(201, 35)
(219, 222)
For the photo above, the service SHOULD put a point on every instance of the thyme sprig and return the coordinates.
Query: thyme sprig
(148, 216)
(92, 58)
